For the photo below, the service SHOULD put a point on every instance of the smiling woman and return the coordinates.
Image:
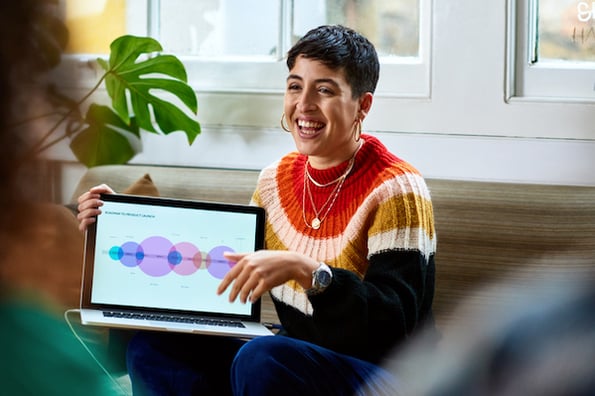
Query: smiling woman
(349, 248)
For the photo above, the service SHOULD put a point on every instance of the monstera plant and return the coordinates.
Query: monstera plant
(135, 76)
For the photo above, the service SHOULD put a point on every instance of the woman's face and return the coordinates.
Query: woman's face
(321, 112)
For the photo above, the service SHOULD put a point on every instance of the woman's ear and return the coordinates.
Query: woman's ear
(365, 104)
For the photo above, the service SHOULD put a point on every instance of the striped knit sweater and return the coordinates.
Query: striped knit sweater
(378, 238)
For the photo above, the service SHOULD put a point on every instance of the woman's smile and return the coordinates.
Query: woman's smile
(309, 128)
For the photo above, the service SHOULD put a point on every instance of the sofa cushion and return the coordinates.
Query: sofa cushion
(143, 186)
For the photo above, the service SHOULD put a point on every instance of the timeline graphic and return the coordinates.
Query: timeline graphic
(157, 256)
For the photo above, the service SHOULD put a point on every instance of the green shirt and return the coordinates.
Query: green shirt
(41, 356)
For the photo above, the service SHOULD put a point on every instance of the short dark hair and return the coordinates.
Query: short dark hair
(339, 47)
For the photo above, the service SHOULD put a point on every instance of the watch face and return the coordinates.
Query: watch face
(324, 278)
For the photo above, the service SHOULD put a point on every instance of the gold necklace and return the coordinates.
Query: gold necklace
(317, 220)
(322, 185)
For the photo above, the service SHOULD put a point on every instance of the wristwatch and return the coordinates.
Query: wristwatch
(321, 279)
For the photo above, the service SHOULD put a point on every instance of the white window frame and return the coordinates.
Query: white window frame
(232, 90)
(541, 81)
(400, 76)
(407, 77)
(466, 130)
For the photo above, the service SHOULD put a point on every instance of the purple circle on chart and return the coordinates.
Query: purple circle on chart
(217, 265)
(188, 253)
(129, 254)
(155, 256)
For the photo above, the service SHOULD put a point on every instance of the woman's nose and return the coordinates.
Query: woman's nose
(306, 101)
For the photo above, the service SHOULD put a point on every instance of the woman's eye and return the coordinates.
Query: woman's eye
(325, 91)
(293, 87)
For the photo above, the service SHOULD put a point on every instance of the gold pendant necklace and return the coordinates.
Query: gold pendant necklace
(317, 220)
(330, 201)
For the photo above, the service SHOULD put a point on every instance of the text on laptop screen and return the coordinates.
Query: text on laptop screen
(168, 257)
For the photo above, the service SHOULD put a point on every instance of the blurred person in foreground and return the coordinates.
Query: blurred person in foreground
(40, 354)
(349, 258)
(538, 340)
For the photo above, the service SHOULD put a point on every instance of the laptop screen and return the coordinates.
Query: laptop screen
(163, 254)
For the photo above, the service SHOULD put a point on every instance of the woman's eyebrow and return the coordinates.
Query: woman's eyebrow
(318, 81)
(327, 81)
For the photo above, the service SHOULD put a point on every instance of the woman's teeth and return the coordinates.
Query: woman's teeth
(309, 126)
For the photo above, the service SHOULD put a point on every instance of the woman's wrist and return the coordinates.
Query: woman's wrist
(305, 276)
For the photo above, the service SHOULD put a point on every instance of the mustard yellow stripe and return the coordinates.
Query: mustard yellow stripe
(412, 211)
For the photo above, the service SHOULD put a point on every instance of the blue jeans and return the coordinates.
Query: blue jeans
(181, 364)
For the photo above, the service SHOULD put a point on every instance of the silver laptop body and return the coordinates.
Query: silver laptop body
(155, 264)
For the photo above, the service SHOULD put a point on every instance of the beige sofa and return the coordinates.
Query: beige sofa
(486, 231)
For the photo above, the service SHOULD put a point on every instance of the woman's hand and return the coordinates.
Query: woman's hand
(89, 204)
(256, 273)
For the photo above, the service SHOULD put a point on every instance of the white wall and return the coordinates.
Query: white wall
(522, 160)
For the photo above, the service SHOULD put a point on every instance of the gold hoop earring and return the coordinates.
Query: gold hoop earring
(283, 123)
(358, 130)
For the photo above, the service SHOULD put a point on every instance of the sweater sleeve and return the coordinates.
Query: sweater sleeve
(367, 318)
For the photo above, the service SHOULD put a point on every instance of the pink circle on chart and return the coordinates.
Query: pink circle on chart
(154, 260)
(217, 264)
(189, 252)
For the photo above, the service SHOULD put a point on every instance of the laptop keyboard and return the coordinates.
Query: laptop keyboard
(175, 319)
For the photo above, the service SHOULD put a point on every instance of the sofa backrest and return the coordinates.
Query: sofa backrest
(222, 185)
(518, 235)
(485, 231)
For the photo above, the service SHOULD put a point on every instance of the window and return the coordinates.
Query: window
(239, 45)
(565, 31)
(235, 28)
(483, 52)
(552, 50)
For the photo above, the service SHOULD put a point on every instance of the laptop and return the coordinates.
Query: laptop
(155, 264)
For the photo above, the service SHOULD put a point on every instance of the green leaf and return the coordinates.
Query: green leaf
(132, 84)
(107, 139)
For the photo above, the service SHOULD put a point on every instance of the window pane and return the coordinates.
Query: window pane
(94, 24)
(215, 28)
(393, 26)
(566, 30)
